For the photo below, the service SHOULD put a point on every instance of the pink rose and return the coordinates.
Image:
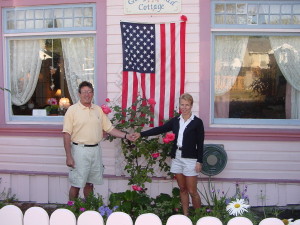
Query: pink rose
(107, 100)
(106, 109)
(82, 209)
(136, 188)
(155, 155)
(170, 136)
(151, 101)
(166, 140)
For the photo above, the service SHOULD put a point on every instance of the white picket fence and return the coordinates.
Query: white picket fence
(12, 215)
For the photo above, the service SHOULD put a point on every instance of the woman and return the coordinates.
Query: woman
(187, 150)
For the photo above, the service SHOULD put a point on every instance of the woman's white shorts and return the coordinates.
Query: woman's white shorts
(185, 166)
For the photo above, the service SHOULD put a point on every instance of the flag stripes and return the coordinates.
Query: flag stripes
(166, 84)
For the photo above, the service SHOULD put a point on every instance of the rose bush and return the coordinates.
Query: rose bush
(146, 153)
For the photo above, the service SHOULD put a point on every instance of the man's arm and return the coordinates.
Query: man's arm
(117, 133)
(67, 144)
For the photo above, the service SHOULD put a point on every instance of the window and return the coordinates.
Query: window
(44, 69)
(256, 74)
(259, 14)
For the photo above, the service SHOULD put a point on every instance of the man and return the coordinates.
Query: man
(84, 123)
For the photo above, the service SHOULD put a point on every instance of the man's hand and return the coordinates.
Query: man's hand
(130, 137)
(70, 162)
(136, 136)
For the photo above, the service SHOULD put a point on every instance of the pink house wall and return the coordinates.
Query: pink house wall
(32, 156)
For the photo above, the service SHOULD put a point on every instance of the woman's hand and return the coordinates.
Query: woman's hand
(198, 167)
(136, 136)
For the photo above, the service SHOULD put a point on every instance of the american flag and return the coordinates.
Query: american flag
(154, 65)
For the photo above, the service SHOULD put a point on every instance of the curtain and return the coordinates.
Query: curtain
(78, 56)
(24, 69)
(287, 54)
(229, 55)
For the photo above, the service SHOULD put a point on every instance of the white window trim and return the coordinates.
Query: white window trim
(248, 123)
(25, 119)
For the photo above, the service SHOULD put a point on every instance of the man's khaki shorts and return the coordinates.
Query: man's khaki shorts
(88, 166)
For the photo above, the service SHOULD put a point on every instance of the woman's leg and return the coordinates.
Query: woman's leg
(191, 184)
(184, 195)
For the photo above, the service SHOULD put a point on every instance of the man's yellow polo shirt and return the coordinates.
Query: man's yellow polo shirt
(86, 125)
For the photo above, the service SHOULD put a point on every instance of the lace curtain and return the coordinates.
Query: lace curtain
(78, 62)
(287, 55)
(229, 55)
(24, 69)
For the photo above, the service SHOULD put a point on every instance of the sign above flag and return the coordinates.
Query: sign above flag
(151, 6)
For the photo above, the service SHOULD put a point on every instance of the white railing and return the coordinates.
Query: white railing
(12, 215)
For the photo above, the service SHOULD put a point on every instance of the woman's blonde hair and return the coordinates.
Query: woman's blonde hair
(187, 97)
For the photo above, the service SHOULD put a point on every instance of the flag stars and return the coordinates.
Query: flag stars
(138, 47)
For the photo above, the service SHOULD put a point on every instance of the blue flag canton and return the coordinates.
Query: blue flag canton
(138, 41)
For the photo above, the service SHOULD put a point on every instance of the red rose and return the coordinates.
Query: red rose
(170, 136)
(136, 188)
(155, 155)
(166, 140)
(151, 101)
(106, 109)
(107, 100)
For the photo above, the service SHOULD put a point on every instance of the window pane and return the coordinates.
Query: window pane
(264, 9)
(296, 9)
(58, 13)
(20, 15)
(88, 12)
(263, 19)
(220, 8)
(252, 19)
(241, 19)
(29, 24)
(88, 22)
(39, 14)
(68, 13)
(78, 12)
(241, 8)
(274, 9)
(286, 9)
(296, 19)
(274, 19)
(219, 19)
(254, 83)
(230, 19)
(42, 71)
(78, 22)
(230, 8)
(68, 23)
(286, 19)
(20, 24)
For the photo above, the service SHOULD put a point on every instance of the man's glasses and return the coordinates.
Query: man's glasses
(86, 92)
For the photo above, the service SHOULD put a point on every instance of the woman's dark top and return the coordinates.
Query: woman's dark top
(193, 137)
